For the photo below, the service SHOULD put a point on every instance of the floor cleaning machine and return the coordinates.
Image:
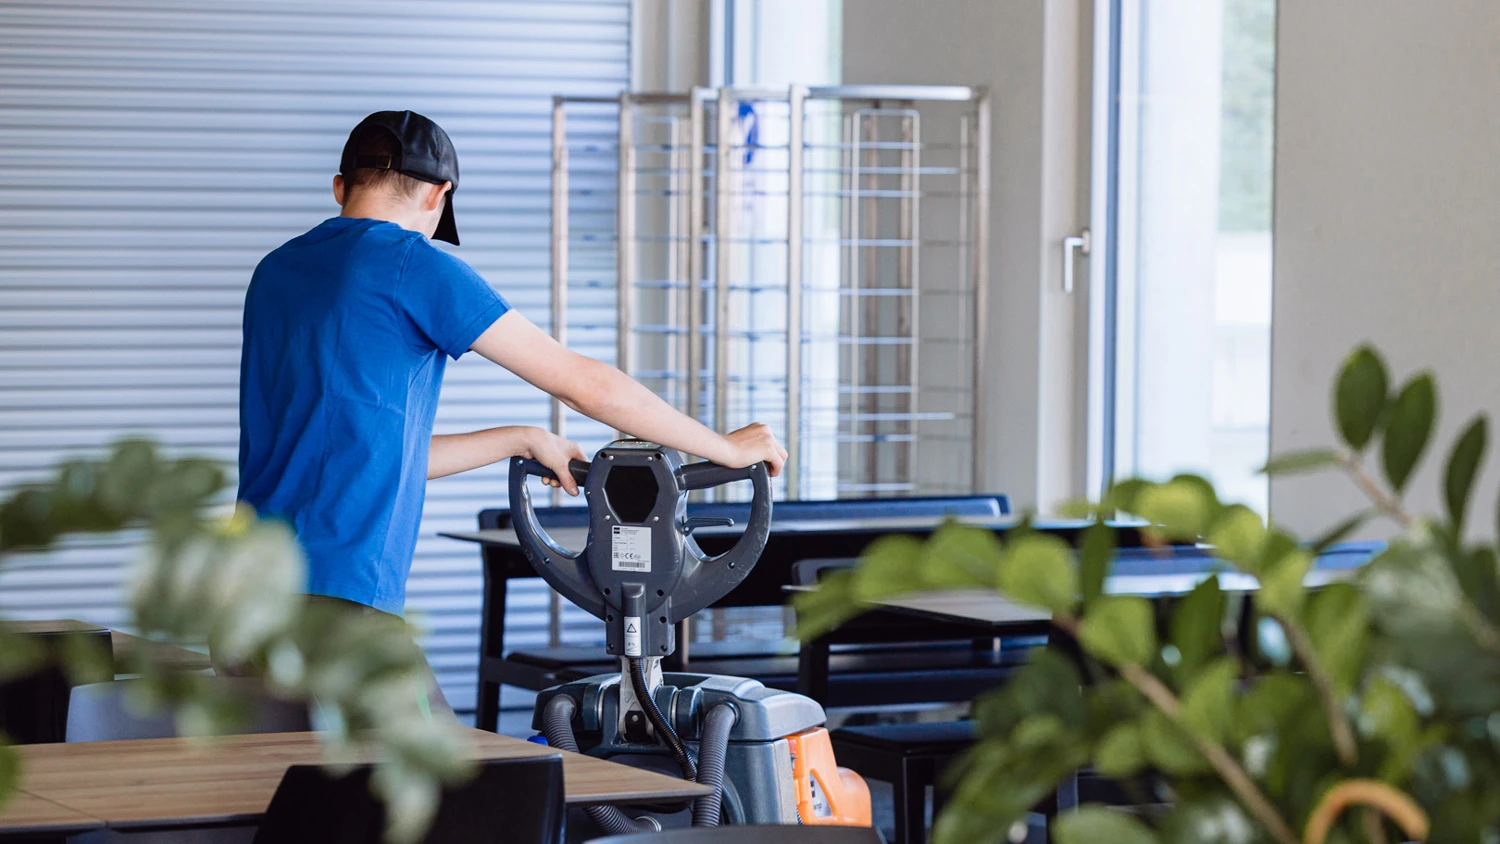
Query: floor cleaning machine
(764, 752)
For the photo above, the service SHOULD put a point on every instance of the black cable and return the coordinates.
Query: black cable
(664, 731)
(712, 749)
(557, 725)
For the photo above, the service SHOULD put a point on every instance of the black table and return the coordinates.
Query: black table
(789, 542)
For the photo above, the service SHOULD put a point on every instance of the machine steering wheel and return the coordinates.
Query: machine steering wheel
(640, 570)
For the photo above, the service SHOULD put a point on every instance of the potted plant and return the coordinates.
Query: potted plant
(1371, 714)
(234, 582)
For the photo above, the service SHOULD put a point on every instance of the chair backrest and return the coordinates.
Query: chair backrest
(811, 572)
(509, 800)
(752, 835)
(99, 712)
(802, 510)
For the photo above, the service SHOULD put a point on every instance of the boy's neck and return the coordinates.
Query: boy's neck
(374, 207)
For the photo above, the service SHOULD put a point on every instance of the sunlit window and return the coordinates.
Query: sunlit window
(1191, 266)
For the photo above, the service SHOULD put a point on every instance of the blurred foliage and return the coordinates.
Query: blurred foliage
(236, 583)
(1367, 710)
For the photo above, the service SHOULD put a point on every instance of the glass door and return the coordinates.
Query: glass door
(1183, 169)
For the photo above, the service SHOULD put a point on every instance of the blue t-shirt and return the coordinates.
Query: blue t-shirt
(344, 336)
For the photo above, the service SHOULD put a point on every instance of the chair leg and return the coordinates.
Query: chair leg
(1065, 798)
(487, 712)
(491, 639)
(812, 670)
(910, 799)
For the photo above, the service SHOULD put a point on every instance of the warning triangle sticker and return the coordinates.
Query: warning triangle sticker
(630, 628)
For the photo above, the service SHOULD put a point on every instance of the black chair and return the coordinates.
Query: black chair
(515, 801)
(34, 707)
(753, 835)
(903, 659)
(100, 712)
(772, 661)
(908, 756)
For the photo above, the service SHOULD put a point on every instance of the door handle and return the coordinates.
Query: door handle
(1072, 246)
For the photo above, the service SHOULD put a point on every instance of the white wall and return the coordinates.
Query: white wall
(1028, 53)
(1387, 220)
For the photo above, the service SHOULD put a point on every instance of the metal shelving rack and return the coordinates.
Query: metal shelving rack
(837, 234)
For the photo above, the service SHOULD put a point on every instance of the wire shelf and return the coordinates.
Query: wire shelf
(810, 258)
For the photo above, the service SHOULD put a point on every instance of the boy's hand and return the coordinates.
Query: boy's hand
(753, 444)
(554, 452)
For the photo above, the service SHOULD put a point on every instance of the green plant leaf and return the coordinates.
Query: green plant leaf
(1338, 623)
(1237, 535)
(1271, 703)
(1463, 467)
(1478, 573)
(1048, 683)
(1360, 396)
(1038, 570)
(1120, 630)
(1169, 747)
(1094, 558)
(1208, 704)
(1295, 462)
(1197, 625)
(1183, 507)
(85, 660)
(1212, 819)
(1278, 543)
(1076, 508)
(958, 556)
(889, 567)
(1120, 753)
(1098, 825)
(20, 655)
(1124, 494)
(1408, 427)
(131, 469)
(1387, 715)
(1341, 531)
(826, 607)
(10, 769)
(1281, 590)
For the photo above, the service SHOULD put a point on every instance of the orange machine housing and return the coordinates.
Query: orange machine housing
(826, 794)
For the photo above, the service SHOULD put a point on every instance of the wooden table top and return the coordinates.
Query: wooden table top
(126, 646)
(25, 813)
(179, 781)
(50, 626)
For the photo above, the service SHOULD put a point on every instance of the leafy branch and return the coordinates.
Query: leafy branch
(1370, 699)
(1340, 727)
(237, 583)
(1224, 764)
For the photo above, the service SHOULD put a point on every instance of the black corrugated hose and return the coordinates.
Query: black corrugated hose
(711, 751)
(557, 726)
(664, 731)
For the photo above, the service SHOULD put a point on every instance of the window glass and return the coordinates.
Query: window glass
(1191, 263)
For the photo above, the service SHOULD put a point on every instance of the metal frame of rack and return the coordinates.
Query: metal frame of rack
(816, 258)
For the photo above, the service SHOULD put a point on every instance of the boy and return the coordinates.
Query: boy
(345, 332)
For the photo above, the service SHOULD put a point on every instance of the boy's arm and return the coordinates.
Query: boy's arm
(601, 392)
(454, 453)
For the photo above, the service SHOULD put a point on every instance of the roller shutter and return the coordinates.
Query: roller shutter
(151, 151)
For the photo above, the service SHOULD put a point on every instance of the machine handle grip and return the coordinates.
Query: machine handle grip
(742, 556)
(565, 571)
(705, 475)
(578, 468)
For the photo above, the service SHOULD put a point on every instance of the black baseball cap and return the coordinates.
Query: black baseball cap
(426, 154)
